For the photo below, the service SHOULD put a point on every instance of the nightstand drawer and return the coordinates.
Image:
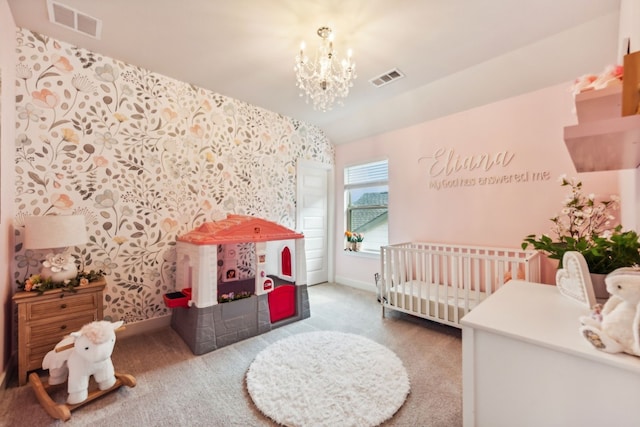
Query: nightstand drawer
(42, 338)
(64, 304)
(51, 332)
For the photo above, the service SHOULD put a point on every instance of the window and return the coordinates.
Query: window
(366, 190)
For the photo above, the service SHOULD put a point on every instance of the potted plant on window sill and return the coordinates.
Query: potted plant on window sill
(354, 240)
(584, 226)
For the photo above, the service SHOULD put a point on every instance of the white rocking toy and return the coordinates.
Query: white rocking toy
(75, 359)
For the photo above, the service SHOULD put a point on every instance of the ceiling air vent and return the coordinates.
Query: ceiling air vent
(386, 78)
(73, 19)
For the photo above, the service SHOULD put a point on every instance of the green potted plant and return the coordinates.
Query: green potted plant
(585, 226)
(354, 240)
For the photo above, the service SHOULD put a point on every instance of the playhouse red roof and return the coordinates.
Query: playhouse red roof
(238, 229)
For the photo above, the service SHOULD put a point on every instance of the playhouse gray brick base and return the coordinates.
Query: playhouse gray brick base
(209, 328)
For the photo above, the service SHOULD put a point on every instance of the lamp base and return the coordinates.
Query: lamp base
(70, 271)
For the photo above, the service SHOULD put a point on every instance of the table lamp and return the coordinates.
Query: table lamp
(56, 232)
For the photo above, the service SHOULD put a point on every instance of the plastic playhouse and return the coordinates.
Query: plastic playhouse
(239, 277)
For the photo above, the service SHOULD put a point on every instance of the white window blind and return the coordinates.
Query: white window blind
(370, 173)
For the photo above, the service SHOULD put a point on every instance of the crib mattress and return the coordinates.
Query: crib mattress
(433, 301)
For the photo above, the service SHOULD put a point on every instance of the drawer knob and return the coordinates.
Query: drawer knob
(63, 305)
(63, 327)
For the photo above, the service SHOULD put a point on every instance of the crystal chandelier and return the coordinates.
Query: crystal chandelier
(326, 79)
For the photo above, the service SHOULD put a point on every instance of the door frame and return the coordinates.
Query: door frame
(331, 202)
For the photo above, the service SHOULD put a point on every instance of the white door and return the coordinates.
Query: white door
(313, 218)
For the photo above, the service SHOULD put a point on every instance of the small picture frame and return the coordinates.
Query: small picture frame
(231, 275)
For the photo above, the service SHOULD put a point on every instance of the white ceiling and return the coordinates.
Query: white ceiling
(456, 54)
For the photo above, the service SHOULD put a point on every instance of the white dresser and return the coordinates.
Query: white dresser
(526, 364)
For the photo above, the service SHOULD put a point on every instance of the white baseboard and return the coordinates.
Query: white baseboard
(145, 326)
(365, 286)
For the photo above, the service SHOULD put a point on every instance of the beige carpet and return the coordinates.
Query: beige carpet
(177, 388)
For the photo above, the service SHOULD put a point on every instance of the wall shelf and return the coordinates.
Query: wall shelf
(609, 144)
(607, 136)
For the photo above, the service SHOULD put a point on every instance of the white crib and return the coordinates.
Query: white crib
(444, 282)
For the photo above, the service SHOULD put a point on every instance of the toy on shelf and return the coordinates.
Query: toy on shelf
(75, 359)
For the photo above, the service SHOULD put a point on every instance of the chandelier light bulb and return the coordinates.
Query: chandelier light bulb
(326, 79)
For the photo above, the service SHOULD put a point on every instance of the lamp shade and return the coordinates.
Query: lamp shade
(54, 231)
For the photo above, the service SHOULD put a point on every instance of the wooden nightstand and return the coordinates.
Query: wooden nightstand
(44, 319)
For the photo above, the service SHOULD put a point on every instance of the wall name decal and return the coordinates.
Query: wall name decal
(446, 163)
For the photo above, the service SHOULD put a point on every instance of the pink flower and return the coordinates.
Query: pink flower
(197, 130)
(618, 71)
(611, 75)
(100, 161)
(169, 115)
(61, 201)
(61, 63)
(169, 224)
(45, 98)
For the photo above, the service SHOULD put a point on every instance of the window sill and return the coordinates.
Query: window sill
(363, 254)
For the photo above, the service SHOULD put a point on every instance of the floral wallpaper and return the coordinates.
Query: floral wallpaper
(144, 158)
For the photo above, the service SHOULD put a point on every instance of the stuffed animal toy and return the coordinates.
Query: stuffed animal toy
(615, 327)
(89, 355)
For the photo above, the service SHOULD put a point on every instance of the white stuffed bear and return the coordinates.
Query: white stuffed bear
(90, 355)
(616, 328)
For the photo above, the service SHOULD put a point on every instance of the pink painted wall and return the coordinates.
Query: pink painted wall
(7, 192)
(524, 135)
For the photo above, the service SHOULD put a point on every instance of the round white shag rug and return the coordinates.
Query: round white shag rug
(327, 379)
